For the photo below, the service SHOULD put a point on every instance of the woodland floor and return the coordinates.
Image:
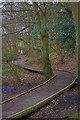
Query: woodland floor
(34, 97)
(11, 86)
(64, 104)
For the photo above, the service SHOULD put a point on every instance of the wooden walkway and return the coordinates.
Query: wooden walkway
(23, 64)
(29, 102)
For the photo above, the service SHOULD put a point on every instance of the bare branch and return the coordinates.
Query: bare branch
(16, 10)
(39, 7)
(16, 31)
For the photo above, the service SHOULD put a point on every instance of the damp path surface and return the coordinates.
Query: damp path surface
(23, 102)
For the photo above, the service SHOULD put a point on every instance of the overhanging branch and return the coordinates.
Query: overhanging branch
(16, 10)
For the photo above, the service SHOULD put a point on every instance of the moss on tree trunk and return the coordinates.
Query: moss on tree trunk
(45, 53)
(41, 23)
(76, 19)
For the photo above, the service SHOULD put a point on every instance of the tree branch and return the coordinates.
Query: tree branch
(39, 8)
(16, 10)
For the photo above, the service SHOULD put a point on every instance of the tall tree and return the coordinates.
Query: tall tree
(41, 12)
(76, 18)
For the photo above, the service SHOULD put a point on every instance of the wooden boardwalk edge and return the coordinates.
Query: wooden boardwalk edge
(40, 104)
(12, 98)
(27, 67)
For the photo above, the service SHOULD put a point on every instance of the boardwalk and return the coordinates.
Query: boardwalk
(24, 104)
(23, 64)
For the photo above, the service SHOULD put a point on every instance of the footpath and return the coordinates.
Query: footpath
(29, 102)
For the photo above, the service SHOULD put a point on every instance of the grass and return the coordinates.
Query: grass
(7, 70)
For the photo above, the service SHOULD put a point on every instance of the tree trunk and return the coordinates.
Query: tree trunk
(45, 53)
(76, 19)
(45, 43)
